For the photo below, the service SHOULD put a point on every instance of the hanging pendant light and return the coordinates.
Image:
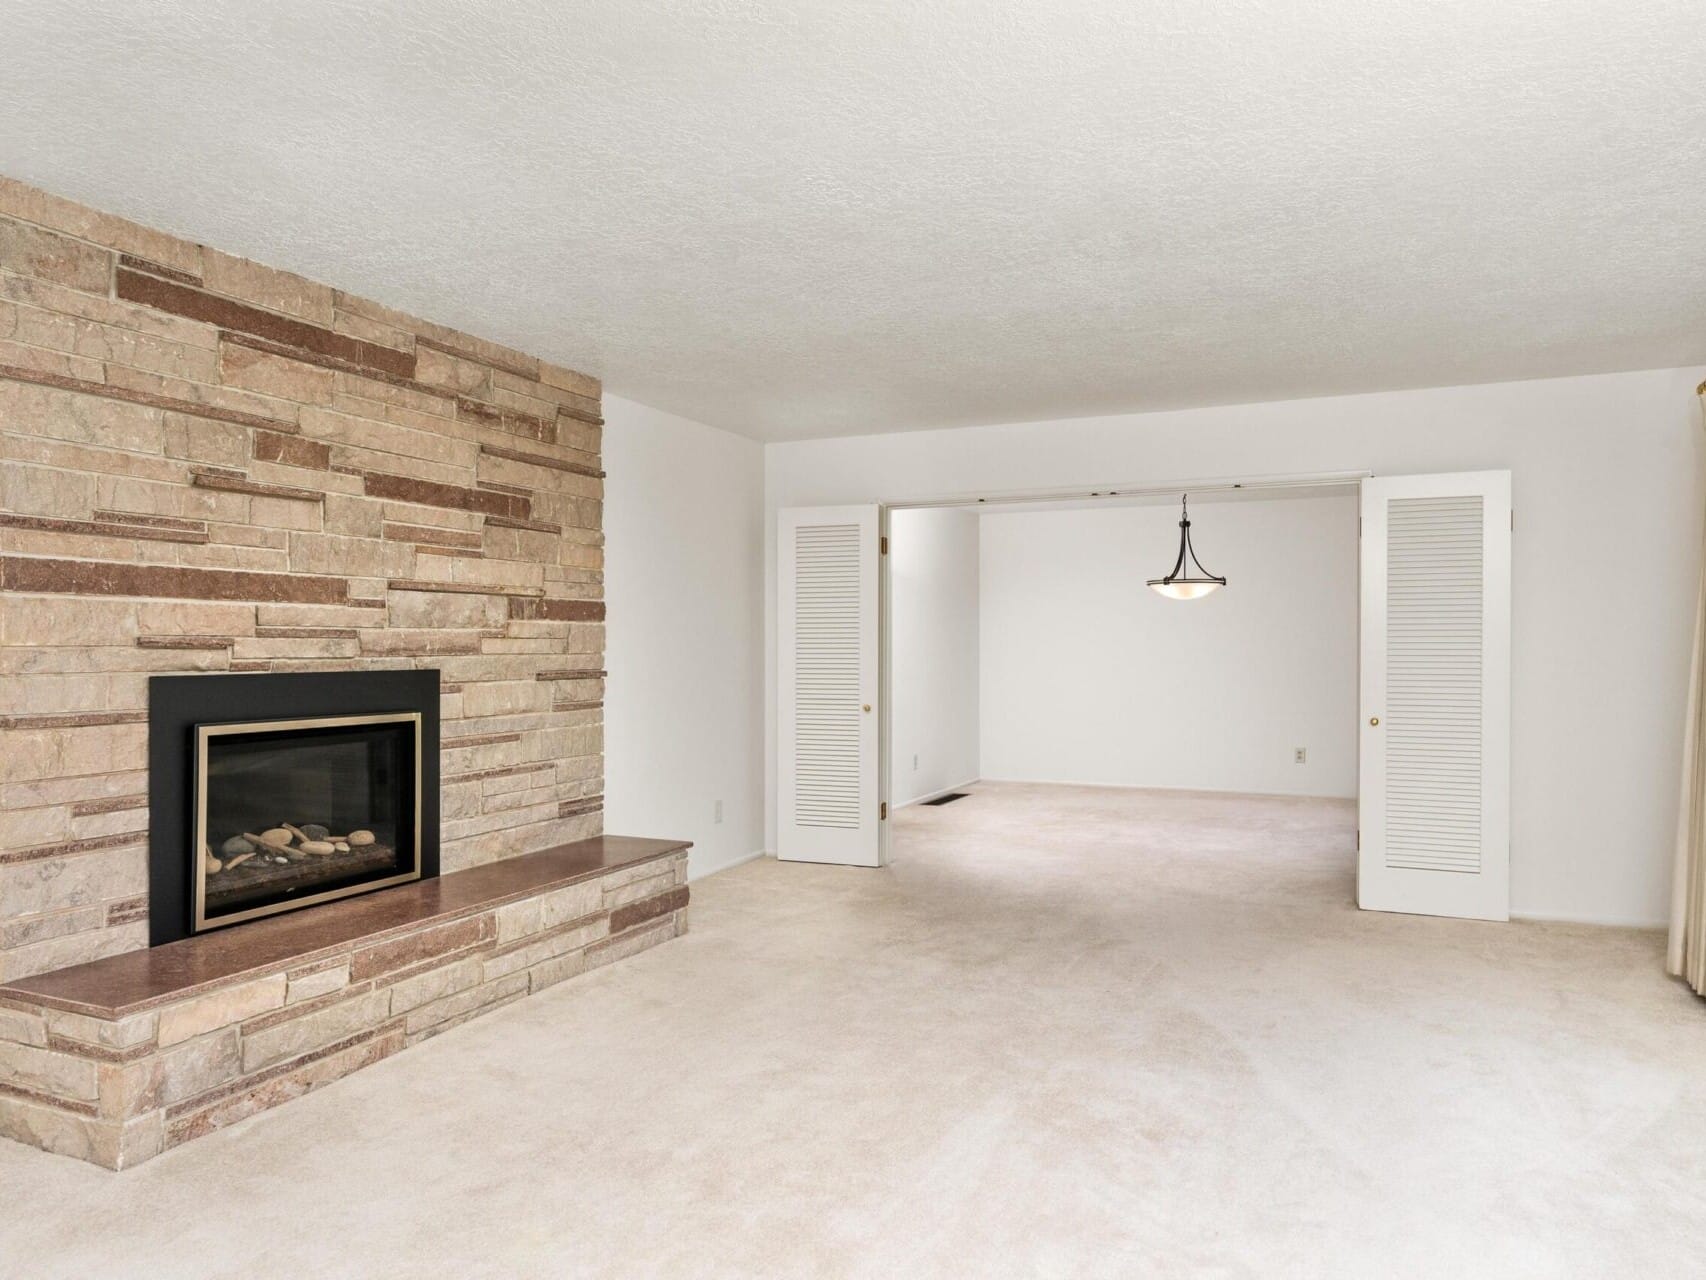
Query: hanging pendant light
(1181, 583)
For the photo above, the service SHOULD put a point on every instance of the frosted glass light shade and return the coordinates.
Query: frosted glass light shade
(1184, 590)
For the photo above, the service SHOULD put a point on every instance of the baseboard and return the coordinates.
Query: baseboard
(1186, 791)
(1597, 922)
(932, 795)
(740, 860)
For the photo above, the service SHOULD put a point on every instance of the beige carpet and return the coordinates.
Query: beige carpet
(1071, 1032)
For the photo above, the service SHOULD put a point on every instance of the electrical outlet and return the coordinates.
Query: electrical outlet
(717, 812)
(1301, 755)
(915, 762)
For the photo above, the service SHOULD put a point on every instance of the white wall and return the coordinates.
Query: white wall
(1089, 676)
(933, 669)
(1609, 497)
(683, 510)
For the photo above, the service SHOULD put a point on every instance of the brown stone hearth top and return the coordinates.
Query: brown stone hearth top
(122, 985)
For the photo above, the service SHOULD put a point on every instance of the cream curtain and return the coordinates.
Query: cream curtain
(1688, 897)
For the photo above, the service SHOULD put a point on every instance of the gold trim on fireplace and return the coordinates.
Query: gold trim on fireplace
(205, 731)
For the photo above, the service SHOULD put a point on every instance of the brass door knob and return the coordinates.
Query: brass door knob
(866, 707)
(1374, 719)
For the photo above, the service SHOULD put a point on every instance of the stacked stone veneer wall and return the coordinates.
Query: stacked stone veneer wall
(210, 465)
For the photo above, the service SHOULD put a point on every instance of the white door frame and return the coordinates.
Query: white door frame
(1021, 497)
(885, 693)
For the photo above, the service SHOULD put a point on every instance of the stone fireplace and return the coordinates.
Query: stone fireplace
(300, 585)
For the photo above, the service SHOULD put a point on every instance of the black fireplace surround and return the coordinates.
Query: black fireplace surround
(269, 792)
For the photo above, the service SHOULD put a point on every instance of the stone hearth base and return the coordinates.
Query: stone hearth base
(117, 1060)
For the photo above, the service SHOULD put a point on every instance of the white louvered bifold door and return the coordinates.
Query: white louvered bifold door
(1435, 758)
(827, 646)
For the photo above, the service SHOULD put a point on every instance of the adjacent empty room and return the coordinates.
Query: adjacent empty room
(1026, 648)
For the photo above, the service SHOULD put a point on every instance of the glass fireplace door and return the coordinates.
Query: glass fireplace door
(293, 812)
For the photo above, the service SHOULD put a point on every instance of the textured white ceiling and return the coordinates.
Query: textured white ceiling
(824, 218)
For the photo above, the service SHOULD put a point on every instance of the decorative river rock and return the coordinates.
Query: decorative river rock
(284, 844)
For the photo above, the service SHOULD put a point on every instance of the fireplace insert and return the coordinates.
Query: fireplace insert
(275, 792)
(293, 812)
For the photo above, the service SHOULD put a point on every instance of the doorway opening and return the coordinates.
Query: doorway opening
(1026, 652)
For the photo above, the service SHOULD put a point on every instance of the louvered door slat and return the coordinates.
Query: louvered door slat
(1433, 646)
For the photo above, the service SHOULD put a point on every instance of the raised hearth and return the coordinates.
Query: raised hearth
(119, 1059)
